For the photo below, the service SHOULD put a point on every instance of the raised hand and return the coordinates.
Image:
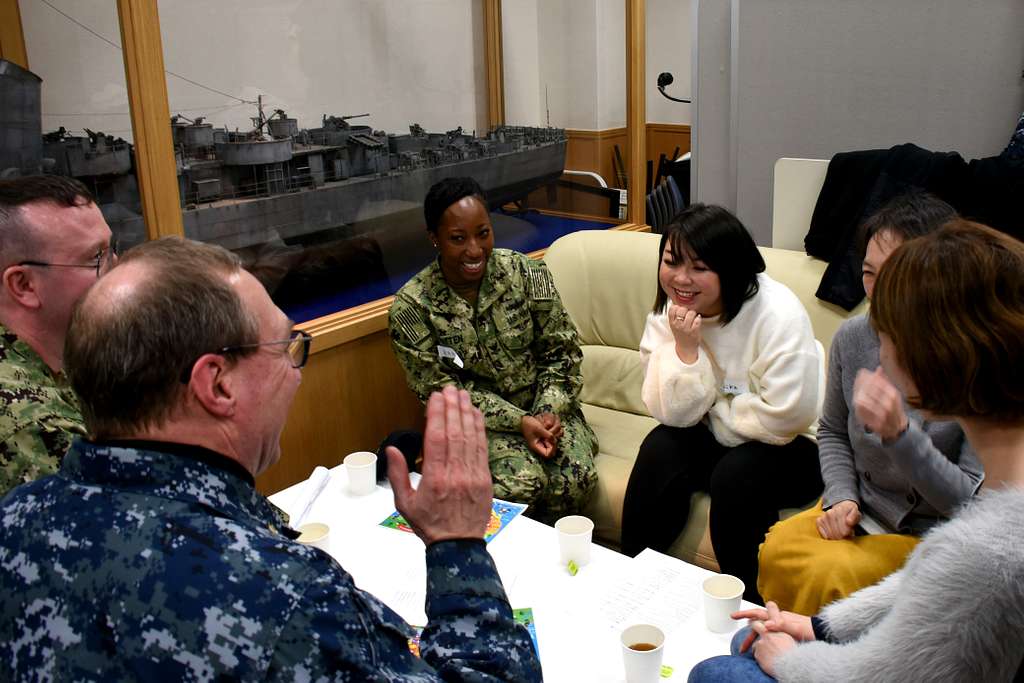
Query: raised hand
(453, 500)
(878, 404)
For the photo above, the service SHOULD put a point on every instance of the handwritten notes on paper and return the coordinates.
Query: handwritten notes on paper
(652, 589)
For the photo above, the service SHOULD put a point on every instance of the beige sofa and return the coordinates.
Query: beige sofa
(607, 281)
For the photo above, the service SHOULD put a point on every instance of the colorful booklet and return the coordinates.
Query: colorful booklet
(523, 616)
(502, 513)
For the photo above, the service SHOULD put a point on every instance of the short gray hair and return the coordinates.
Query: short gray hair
(128, 361)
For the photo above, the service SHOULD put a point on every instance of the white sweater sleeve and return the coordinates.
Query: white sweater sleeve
(786, 379)
(676, 394)
(954, 613)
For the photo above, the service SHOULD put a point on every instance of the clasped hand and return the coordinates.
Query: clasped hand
(773, 632)
(839, 521)
(542, 432)
(453, 500)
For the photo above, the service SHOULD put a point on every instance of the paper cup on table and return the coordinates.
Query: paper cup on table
(642, 648)
(361, 468)
(722, 595)
(315, 534)
(574, 534)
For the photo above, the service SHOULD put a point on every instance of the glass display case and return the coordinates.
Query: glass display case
(306, 134)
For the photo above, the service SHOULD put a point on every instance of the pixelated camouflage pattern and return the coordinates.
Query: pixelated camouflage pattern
(39, 414)
(141, 565)
(520, 354)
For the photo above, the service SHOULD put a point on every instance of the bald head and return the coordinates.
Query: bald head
(136, 334)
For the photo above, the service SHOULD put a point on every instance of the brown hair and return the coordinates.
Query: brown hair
(125, 358)
(16, 240)
(953, 304)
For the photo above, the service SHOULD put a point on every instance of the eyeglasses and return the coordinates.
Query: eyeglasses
(104, 261)
(298, 347)
(298, 351)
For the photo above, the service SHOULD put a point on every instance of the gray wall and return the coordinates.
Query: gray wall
(810, 78)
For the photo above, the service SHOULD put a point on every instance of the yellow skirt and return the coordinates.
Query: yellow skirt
(803, 572)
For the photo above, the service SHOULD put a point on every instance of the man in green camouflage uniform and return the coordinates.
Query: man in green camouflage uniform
(54, 243)
(38, 414)
(151, 556)
(517, 353)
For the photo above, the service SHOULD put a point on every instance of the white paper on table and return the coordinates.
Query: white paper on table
(652, 589)
(303, 502)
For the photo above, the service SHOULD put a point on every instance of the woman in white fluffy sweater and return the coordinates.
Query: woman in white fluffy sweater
(734, 376)
(949, 311)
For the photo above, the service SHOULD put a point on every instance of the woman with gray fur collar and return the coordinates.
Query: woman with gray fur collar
(949, 310)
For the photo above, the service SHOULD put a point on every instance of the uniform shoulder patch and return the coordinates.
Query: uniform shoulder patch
(541, 284)
(411, 325)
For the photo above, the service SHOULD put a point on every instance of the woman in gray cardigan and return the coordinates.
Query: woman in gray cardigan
(949, 311)
(885, 468)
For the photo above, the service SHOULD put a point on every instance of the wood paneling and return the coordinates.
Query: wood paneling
(493, 60)
(147, 102)
(352, 395)
(636, 105)
(663, 138)
(12, 38)
(593, 150)
(353, 392)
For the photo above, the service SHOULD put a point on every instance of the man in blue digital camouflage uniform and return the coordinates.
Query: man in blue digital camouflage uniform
(150, 555)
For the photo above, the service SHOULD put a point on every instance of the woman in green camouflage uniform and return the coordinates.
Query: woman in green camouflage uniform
(489, 320)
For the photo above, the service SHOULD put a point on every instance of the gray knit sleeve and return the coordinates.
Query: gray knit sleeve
(954, 613)
(943, 482)
(834, 450)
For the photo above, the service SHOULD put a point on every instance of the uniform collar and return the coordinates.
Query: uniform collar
(24, 355)
(494, 284)
(190, 474)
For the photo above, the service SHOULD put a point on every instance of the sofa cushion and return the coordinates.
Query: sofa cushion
(607, 281)
(612, 378)
(802, 273)
(619, 435)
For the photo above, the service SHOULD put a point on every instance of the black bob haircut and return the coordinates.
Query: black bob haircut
(905, 217)
(719, 239)
(446, 192)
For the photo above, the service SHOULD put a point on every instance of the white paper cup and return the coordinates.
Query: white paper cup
(722, 595)
(574, 534)
(315, 534)
(362, 472)
(644, 665)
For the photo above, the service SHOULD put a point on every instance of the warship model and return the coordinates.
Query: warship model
(277, 183)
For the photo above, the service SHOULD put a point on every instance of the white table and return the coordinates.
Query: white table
(572, 613)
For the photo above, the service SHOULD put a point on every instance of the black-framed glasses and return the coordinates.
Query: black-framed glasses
(104, 261)
(298, 347)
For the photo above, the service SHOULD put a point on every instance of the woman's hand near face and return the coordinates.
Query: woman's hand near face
(685, 326)
(878, 404)
(539, 438)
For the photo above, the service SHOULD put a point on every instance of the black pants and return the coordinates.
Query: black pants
(748, 485)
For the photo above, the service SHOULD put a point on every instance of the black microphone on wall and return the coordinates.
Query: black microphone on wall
(665, 79)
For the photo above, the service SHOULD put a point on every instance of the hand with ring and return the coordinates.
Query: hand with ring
(685, 325)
